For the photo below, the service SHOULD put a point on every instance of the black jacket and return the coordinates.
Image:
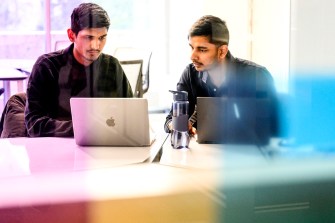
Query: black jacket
(244, 79)
(56, 77)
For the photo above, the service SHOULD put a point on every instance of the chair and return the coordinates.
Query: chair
(131, 53)
(12, 118)
(61, 44)
(133, 71)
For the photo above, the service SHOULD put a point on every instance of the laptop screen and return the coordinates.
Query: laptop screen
(233, 120)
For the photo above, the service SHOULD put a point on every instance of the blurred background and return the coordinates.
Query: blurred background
(286, 36)
(293, 39)
(259, 31)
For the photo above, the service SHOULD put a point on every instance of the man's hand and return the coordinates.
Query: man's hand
(169, 125)
(191, 130)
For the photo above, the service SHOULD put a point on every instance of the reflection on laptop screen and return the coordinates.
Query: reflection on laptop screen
(233, 120)
(111, 121)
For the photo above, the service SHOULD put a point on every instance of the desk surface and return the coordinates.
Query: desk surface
(61, 182)
(211, 156)
(147, 193)
(54, 179)
(25, 64)
(159, 193)
(25, 156)
(8, 74)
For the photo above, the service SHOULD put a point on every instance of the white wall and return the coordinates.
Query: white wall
(312, 35)
(259, 31)
(237, 16)
(270, 38)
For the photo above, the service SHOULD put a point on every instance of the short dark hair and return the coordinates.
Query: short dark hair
(89, 15)
(212, 27)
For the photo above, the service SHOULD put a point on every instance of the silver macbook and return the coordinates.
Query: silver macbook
(111, 122)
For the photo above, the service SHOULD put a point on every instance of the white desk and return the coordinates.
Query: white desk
(43, 154)
(147, 193)
(25, 64)
(11, 74)
(26, 156)
(270, 185)
(61, 182)
(211, 156)
(53, 180)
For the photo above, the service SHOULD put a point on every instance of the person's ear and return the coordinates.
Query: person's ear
(223, 50)
(71, 35)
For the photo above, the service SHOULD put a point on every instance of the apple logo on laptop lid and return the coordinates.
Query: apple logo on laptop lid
(110, 122)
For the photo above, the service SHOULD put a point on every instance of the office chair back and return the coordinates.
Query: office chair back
(133, 71)
(61, 44)
(12, 119)
(131, 53)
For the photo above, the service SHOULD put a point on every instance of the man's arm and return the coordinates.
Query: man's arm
(267, 85)
(184, 84)
(42, 104)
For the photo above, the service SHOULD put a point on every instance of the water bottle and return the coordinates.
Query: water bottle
(180, 137)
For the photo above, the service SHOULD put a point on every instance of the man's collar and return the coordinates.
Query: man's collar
(204, 74)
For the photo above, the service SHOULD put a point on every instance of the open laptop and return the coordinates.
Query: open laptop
(225, 120)
(111, 122)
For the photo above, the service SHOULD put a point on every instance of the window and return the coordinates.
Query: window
(23, 31)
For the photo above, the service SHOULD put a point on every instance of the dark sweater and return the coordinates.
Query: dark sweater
(243, 79)
(56, 77)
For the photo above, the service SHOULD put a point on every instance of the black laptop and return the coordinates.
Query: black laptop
(223, 120)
